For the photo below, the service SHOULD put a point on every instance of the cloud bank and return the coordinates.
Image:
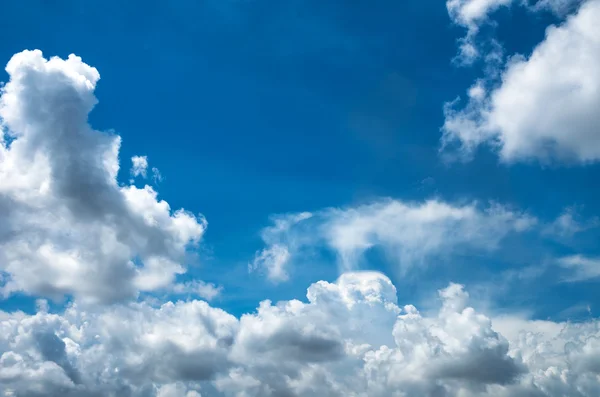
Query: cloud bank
(350, 338)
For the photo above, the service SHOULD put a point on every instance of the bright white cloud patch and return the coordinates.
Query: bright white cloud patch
(410, 233)
(66, 226)
(349, 339)
(139, 166)
(545, 107)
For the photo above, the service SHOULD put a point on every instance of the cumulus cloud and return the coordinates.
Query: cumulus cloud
(545, 107)
(119, 351)
(350, 338)
(410, 233)
(67, 226)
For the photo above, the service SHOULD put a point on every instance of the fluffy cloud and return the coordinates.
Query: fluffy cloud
(67, 226)
(410, 233)
(119, 351)
(139, 166)
(350, 338)
(545, 107)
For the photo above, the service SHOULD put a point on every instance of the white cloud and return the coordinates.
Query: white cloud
(558, 7)
(582, 268)
(66, 225)
(176, 390)
(117, 350)
(546, 105)
(139, 166)
(410, 233)
(156, 175)
(208, 291)
(471, 14)
(349, 339)
(570, 223)
(275, 259)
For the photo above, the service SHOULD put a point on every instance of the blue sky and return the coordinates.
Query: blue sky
(256, 111)
(255, 108)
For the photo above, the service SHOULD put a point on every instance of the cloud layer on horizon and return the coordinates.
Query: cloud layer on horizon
(349, 339)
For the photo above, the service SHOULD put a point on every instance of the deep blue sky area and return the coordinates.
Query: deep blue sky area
(251, 108)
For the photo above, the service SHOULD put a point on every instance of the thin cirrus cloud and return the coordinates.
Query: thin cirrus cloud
(570, 223)
(580, 268)
(544, 107)
(68, 227)
(410, 233)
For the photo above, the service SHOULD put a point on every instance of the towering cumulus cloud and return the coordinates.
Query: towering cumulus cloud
(66, 226)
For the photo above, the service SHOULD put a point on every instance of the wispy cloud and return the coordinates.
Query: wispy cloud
(410, 233)
(581, 268)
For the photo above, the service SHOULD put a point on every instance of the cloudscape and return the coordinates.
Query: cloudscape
(300, 198)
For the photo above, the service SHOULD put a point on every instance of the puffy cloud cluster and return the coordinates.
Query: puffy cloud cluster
(350, 338)
(545, 106)
(410, 233)
(67, 227)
